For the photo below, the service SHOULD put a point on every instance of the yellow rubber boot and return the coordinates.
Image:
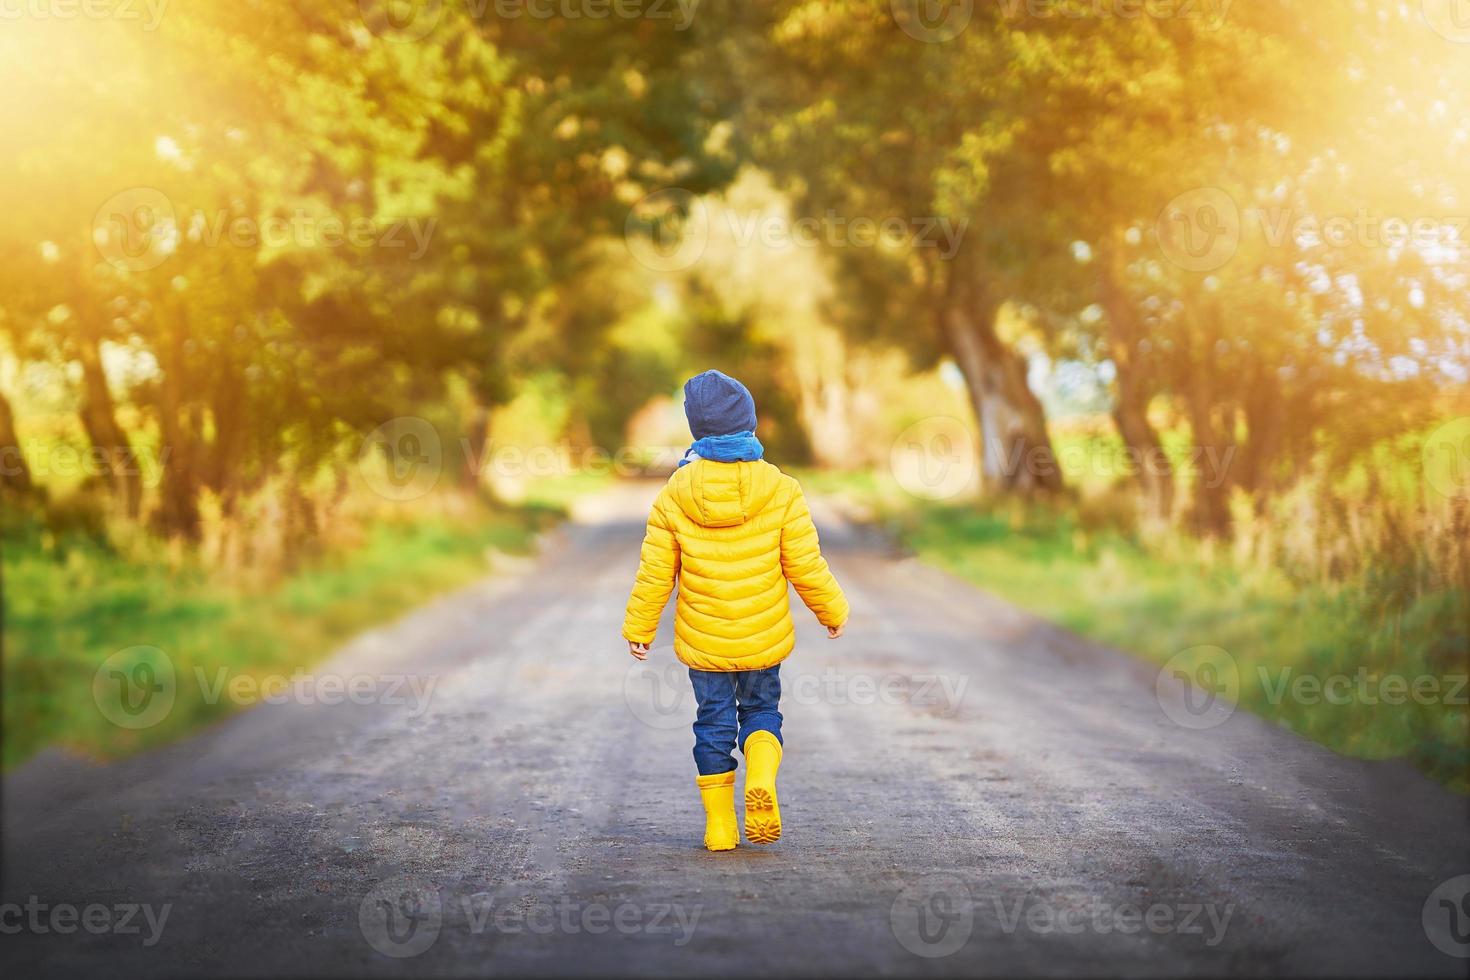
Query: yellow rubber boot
(762, 814)
(718, 793)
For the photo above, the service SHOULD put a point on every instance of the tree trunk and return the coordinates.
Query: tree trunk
(1211, 516)
(1130, 411)
(14, 473)
(178, 510)
(819, 364)
(99, 419)
(1016, 452)
(1210, 418)
(477, 430)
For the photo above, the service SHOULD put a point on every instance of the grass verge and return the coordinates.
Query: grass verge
(1357, 666)
(70, 602)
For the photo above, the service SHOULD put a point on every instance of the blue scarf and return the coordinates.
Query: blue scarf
(732, 448)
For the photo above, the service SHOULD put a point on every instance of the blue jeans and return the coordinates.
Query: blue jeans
(731, 705)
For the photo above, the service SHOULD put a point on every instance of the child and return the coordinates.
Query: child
(732, 530)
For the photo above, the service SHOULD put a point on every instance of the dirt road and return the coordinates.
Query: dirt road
(966, 791)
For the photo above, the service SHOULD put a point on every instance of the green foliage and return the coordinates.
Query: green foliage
(71, 601)
(1084, 571)
(318, 225)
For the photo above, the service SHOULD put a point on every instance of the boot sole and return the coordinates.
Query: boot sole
(762, 816)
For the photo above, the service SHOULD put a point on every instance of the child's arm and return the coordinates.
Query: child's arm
(658, 567)
(805, 568)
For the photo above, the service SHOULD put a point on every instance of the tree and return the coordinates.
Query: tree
(307, 222)
(868, 124)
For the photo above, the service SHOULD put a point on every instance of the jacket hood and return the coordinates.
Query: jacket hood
(715, 494)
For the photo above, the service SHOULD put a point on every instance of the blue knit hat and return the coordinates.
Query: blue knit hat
(717, 405)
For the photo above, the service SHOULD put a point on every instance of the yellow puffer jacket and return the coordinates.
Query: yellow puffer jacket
(732, 535)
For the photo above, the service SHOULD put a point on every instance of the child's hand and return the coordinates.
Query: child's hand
(833, 632)
(638, 650)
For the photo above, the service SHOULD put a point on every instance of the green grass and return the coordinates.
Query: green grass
(1105, 585)
(559, 492)
(70, 602)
